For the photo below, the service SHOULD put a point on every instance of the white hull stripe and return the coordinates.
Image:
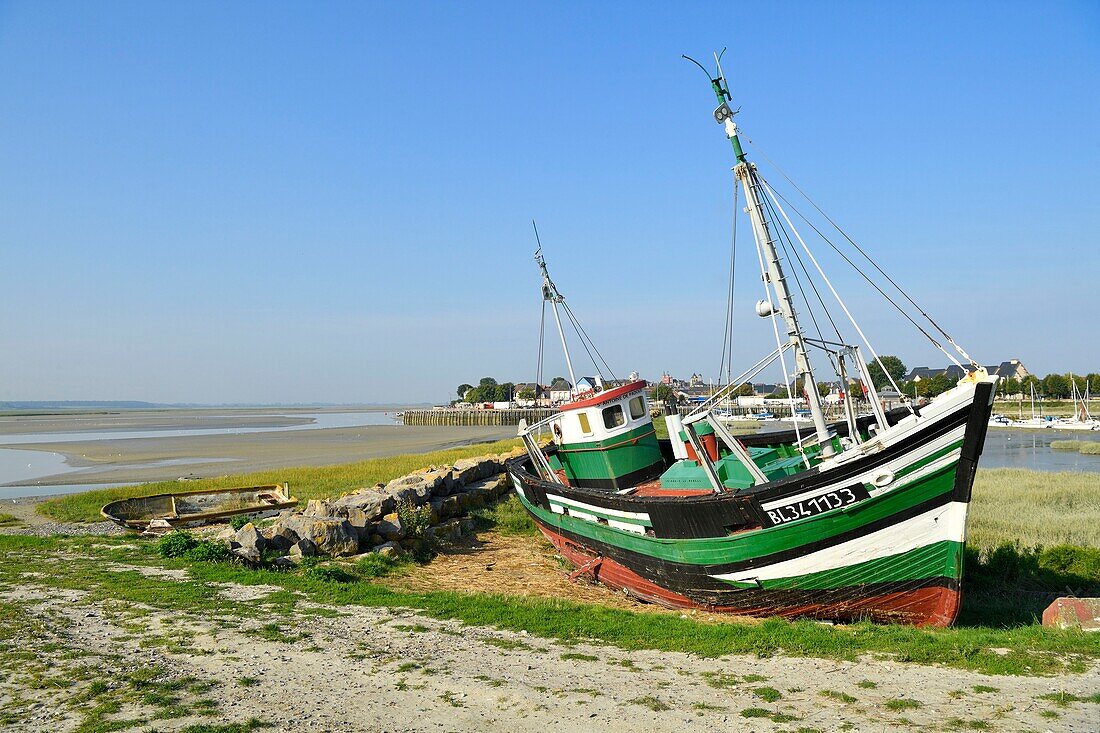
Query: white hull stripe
(893, 467)
(618, 513)
(947, 522)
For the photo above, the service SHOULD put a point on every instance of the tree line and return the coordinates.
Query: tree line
(489, 390)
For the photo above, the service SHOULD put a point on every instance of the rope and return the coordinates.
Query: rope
(868, 258)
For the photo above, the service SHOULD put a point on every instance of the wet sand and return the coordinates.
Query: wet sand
(118, 461)
(138, 459)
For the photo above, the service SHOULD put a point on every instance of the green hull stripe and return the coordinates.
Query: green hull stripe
(612, 458)
(938, 559)
(748, 545)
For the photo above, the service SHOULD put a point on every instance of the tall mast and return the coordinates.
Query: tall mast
(550, 293)
(750, 181)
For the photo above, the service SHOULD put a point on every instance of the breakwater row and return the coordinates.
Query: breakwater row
(476, 417)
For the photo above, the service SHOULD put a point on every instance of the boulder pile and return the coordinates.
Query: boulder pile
(370, 519)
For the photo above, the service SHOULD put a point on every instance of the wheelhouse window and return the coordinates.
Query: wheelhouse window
(637, 407)
(582, 418)
(613, 416)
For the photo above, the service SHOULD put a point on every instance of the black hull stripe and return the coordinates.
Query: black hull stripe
(686, 577)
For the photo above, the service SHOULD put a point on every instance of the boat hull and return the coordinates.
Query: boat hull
(195, 508)
(893, 555)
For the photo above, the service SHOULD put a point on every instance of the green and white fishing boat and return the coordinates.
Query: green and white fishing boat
(864, 517)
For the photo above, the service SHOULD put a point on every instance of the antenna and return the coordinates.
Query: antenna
(538, 252)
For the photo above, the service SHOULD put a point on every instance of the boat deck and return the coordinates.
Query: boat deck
(654, 488)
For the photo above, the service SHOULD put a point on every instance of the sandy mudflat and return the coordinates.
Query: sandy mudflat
(121, 460)
(150, 420)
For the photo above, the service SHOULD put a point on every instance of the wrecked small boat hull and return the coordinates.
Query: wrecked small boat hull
(192, 508)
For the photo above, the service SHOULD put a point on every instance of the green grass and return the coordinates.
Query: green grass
(650, 702)
(7, 520)
(838, 696)
(306, 482)
(1034, 508)
(507, 517)
(1087, 447)
(80, 563)
(902, 703)
(768, 694)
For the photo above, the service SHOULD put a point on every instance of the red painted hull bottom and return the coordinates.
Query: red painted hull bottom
(935, 606)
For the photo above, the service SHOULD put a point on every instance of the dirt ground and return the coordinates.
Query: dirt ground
(522, 566)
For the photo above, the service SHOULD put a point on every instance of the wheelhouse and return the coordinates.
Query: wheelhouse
(606, 439)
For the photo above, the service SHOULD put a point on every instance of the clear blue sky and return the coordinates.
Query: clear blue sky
(275, 202)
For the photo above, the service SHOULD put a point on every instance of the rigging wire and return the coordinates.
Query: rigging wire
(836, 295)
(873, 284)
(585, 337)
(866, 256)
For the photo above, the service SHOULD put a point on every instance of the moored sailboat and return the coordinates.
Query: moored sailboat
(863, 518)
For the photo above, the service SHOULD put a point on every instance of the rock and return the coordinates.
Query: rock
(280, 535)
(302, 548)
(318, 508)
(249, 538)
(363, 506)
(466, 470)
(391, 528)
(389, 549)
(283, 562)
(483, 491)
(280, 543)
(488, 466)
(331, 535)
(409, 490)
(449, 531)
(445, 483)
(1073, 613)
(248, 554)
(376, 539)
(451, 507)
(438, 510)
(467, 525)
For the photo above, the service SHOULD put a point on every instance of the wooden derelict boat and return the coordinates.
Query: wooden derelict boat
(860, 519)
(192, 508)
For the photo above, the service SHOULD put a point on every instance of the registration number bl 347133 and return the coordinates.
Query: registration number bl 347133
(776, 513)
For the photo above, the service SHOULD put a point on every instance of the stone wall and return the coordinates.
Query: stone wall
(369, 519)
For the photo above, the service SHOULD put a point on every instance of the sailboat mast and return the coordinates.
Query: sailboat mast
(750, 182)
(550, 293)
